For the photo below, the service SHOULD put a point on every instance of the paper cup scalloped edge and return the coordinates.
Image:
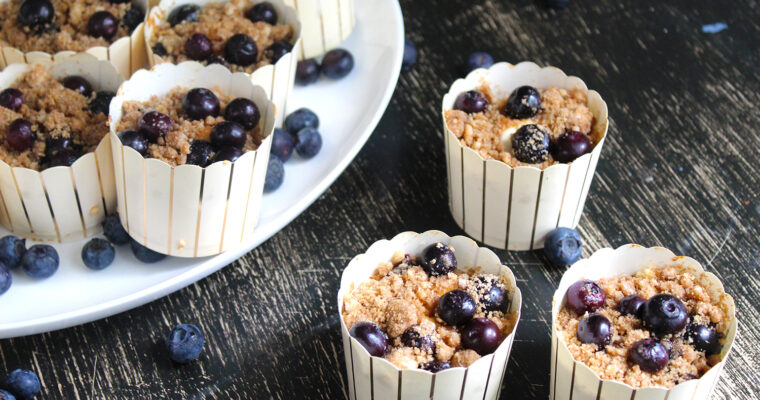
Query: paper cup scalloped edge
(127, 54)
(514, 208)
(188, 211)
(571, 379)
(61, 203)
(374, 378)
(325, 24)
(276, 79)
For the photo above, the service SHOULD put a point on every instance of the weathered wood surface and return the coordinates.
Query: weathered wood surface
(680, 170)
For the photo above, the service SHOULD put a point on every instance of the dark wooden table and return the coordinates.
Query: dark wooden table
(680, 169)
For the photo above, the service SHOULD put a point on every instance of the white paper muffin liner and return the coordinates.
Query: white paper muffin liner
(325, 24)
(188, 211)
(515, 208)
(277, 79)
(571, 379)
(127, 54)
(61, 203)
(375, 378)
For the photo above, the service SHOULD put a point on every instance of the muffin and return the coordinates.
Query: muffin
(426, 314)
(639, 321)
(56, 172)
(325, 25)
(522, 143)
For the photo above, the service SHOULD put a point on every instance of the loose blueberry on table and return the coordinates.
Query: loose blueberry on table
(40, 261)
(275, 174)
(6, 279)
(12, 250)
(283, 144)
(23, 384)
(563, 246)
(300, 119)
(4, 395)
(337, 63)
(308, 142)
(479, 59)
(114, 231)
(145, 254)
(410, 55)
(185, 343)
(307, 72)
(98, 254)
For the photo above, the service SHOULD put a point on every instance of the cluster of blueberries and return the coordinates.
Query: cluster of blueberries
(455, 308)
(664, 315)
(38, 15)
(60, 151)
(299, 134)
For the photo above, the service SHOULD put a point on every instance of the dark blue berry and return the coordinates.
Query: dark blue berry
(55, 145)
(308, 142)
(481, 335)
(479, 59)
(563, 246)
(583, 296)
(185, 343)
(570, 145)
(471, 102)
(145, 254)
(184, 13)
(631, 305)
(307, 72)
(6, 395)
(102, 24)
(493, 296)
(11, 98)
(241, 49)
(530, 144)
(101, 103)
(228, 154)
(299, 119)
(98, 254)
(649, 355)
(228, 134)
(370, 337)
(78, 84)
(664, 314)
(557, 4)
(153, 125)
(456, 307)
(275, 174)
(243, 111)
(438, 259)
(278, 49)
(114, 231)
(283, 144)
(23, 384)
(200, 103)
(435, 366)
(412, 338)
(20, 135)
(262, 12)
(704, 338)
(36, 13)
(198, 47)
(12, 250)
(595, 329)
(63, 158)
(160, 50)
(135, 140)
(410, 55)
(523, 102)
(40, 261)
(6, 279)
(132, 18)
(200, 153)
(337, 63)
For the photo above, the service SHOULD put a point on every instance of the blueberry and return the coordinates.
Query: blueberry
(78, 84)
(563, 246)
(299, 119)
(370, 337)
(435, 366)
(471, 102)
(481, 335)
(456, 307)
(153, 125)
(36, 13)
(6, 395)
(135, 140)
(262, 12)
(40, 261)
(200, 103)
(278, 49)
(12, 249)
(337, 63)
(184, 343)
(64, 158)
(102, 24)
(244, 112)
(5, 280)
(184, 13)
(307, 72)
(198, 47)
(308, 142)
(11, 98)
(200, 153)
(228, 154)
(664, 314)
(438, 259)
(228, 134)
(114, 231)
(241, 49)
(479, 59)
(704, 338)
(102, 102)
(283, 144)
(631, 305)
(530, 144)
(20, 135)
(523, 102)
(571, 145)
(557, 4)
(412, 338)
(55, 145)
(649, 355)
(595, 329)
(275, 174)
(98, 254)
(118, 1)
(145, 254)
(132, 18)
(585, 296)
(214, 59)
(493, 297)
(23, 384)
(160, 50)
(410, 55)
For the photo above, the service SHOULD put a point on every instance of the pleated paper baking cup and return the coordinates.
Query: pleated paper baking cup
(375, 378)
(571, 379)
(276, 79)
(61, 203)
(127, 54)
(189, 211)
(325, 24)
(515, 208)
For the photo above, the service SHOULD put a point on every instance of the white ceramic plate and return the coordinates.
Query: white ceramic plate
(349, 110)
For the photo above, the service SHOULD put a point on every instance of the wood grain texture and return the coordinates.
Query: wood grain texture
(680, 170)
